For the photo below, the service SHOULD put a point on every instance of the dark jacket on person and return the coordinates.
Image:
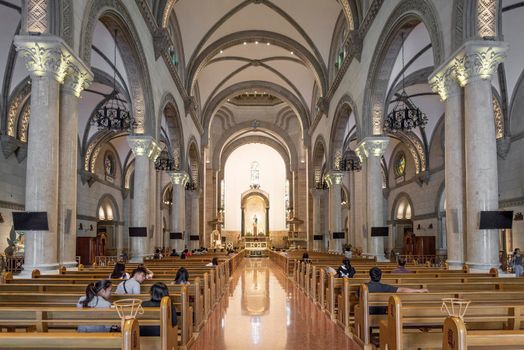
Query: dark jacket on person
(346, 271)
(154, 331)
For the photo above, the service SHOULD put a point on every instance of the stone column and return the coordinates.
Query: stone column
(78, 78)
(334, 180)
(373, 148)
(316, 194)
(195, 218)
(145, 150)
(445, 85)
(159, 240)
(47, 60)
(474, 69)
(179, 180)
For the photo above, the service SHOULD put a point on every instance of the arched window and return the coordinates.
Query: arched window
(403, 210)
(400, 165)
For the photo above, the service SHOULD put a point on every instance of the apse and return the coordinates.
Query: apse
(255, 164)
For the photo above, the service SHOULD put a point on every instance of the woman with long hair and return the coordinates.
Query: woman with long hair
(157, 292)
(182, 276)
(119, 272)
(98, 295)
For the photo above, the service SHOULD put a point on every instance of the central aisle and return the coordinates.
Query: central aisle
(265, 311)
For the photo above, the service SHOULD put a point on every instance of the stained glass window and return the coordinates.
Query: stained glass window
(400, 165)
(255, 174)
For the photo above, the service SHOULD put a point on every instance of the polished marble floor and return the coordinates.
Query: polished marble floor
(265, 311)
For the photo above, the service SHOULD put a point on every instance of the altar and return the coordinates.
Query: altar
(256, 246)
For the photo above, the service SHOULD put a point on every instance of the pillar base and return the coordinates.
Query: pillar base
(27, 270)
(380, 257)
(70, 264)
(480, 267)
(455, 265)
(137, 259)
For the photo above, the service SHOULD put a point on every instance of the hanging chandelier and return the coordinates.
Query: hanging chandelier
(113, 115)
(165, 162)
(350, 162)
(405, 114)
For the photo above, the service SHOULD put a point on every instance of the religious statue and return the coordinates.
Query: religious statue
(216, 239)
(255, 223)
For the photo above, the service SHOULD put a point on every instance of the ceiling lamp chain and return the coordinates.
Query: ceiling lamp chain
(405, 114)
(113, 115)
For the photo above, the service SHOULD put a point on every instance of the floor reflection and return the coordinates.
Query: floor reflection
(265, 311)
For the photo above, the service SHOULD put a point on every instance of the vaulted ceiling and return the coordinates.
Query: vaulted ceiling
(242, 46)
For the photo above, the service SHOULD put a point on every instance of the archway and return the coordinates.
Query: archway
(255, 213)
(402, 219)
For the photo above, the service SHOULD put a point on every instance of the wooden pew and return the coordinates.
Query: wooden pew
(128, 339)
(403, 324)
(19, 301)
(456, 336)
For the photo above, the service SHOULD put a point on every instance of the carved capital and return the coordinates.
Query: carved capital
(503, 146)
(44, 56)
(444, 83)
(9, 145)
(478, 60)
(373, 146)
(190, 104)
(355, 44)
(161, 41)
(144, 146)
(323, 105)
(334, 178)
(179, 178)
(50, 56)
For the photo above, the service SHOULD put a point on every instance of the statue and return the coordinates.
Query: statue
(255, 223)
(216, 239)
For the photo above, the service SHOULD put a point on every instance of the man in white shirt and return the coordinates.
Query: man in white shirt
(132, 285)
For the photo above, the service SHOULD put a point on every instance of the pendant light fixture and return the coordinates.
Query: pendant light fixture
(113, 115)
(405, 114)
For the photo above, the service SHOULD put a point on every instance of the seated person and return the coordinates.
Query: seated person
(305, 258)
(174, 253)
(214, 262)
(375, 286)
(182, 276)
(132, 285)
(149, 273)
(158, 255)
(346, 270)
(401, 267)
(98, 295)
(119, 272)
(157, 292)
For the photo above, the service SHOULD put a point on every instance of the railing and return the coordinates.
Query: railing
(107, 260)
(14, 263)
(256, 245)
(435, 260)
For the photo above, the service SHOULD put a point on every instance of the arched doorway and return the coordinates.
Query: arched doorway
(402, 224)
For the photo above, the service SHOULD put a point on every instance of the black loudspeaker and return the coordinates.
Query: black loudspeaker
(30, 221)
(318, 237)
(138, 232)
(496, 220)
(175, 235)
(67, 222)
(379, 231)
(339, 235)
(194, 238)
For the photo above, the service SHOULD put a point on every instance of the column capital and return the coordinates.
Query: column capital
(334, 177)
(474, 60)
(142, 145)
(372, 146)
(48, 55)
(179, 178)
(443, 82)
(78, 78)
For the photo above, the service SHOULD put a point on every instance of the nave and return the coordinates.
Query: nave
(265, 310)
